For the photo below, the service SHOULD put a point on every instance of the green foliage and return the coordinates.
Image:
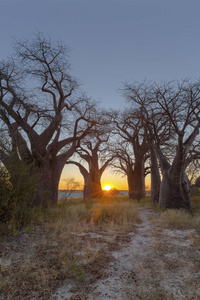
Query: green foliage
(74, 266)
(18, 189)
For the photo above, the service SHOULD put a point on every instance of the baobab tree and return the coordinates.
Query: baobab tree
(45, 115)
(124, 164)
(129, 128)
(138, 95)
(94, 150)
(178, 105)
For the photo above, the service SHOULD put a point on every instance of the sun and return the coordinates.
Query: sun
(107, 187)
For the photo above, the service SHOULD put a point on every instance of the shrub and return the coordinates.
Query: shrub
(18, 189)
(74, 266)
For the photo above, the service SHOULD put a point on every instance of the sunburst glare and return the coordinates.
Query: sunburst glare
(107, 187)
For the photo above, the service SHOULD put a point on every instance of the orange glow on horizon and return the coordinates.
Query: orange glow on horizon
(115, 181)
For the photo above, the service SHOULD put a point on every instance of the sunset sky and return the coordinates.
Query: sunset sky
(112, 41)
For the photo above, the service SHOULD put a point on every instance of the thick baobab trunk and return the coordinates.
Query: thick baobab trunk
(174, 193)
(92, 189)
(130, 181)
(92, 181)
(49, 177)
(138, 180)
(47, 192)
(48, 189)
(155, 177)
(174, 190)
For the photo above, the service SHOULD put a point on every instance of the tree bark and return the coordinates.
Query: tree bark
(174, 194)
(49, 176)
(155, 176)
(130, 180)
(136, 179)
(139, 179)
(174, 190)
(92, 188)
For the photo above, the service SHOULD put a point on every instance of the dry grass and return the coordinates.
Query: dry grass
(170, 271)
(176, 219)
(72, 243)
(123, 214)
(61, 244)
(29, 278)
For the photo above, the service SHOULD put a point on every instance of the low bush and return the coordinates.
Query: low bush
(18, 188)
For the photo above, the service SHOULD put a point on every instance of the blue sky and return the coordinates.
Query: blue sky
(112, 41)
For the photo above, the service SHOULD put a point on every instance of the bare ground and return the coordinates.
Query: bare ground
(144, 263)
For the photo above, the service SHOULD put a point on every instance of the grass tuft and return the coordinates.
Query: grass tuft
(176, 219)
(122, 214)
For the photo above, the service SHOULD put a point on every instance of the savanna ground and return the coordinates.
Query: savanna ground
(106, 249)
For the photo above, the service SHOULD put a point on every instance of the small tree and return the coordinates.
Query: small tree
(70, 185)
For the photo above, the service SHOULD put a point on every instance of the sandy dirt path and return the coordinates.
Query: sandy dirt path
(149, 263)
(146, 263)
(122, 279)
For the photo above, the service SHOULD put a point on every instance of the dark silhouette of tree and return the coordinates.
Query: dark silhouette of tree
(138, 95)
(178, 106)
(94, 150)
(129, 128)
(45, 116)
(124, 164)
